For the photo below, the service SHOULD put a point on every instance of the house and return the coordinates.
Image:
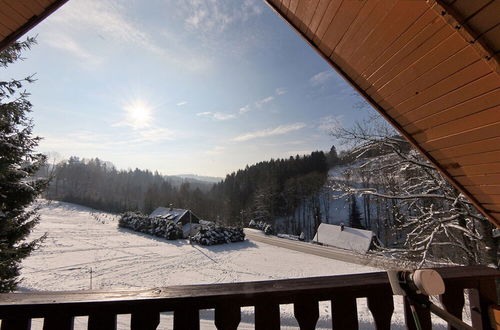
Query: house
(178, 216)
(188, 220)
(343, 237)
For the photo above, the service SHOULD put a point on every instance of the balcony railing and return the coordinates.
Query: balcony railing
(58, 309)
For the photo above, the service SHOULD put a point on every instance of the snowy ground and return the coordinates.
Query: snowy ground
(79, 238)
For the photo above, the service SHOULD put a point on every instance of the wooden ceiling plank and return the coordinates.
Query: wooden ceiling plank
(476, 120)
(477, 134)
(294, 18)
(327, 18)
(16, 11)
(486, 145)
(368, 19)
(284, 6)
(316, 19)
(444, 60)
(305, 12)
(479, 180)
(492, 207)
(474, 105)
(495, 190)
(476, 158)
(488, 199)
(477, 87)
(400, 19)
(293, 6)
(486, 18)
(487, 169)
(408, 51)
(346, 15)
(467, 8)
(8, 23)
(492, 38)
(463, 77)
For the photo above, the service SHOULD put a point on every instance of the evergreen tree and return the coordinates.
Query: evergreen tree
(18, 163)
(354, 214)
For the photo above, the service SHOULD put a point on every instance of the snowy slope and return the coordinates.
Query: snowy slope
(79, 238)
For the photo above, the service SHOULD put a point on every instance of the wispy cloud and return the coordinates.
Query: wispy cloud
(321, 77)
(282, 129)
(181, 103)
(329, 123)
(218, 15)
(217, 150)
(69, 45)
(260, 103)
(245, 109)
(281, 91)
(110, 21)
(216, 115)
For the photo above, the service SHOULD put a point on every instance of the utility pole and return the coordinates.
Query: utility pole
(90, 278)
(190, 228)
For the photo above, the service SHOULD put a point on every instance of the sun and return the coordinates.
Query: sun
(139, 114)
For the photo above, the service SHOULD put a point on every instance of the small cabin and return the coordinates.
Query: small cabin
(178, 216)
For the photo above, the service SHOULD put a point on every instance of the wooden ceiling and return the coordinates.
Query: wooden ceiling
(19, 16)
(431, 68)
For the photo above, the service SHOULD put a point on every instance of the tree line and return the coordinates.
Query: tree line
(263, 191)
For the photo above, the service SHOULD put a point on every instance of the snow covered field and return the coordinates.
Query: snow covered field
(80, 238)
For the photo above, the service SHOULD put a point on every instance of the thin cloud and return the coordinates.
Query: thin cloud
(321, 77)
(109, 20)
(260, 103)
(280, 130)
(217, 16)
(245, 109)
(217, 150)
(216, 115)
(72, 47)
(330, 123)
(281, 91)
(181, 103)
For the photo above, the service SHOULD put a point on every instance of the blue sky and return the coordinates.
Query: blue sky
(187, 86)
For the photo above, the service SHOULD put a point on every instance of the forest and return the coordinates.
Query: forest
(261, 191)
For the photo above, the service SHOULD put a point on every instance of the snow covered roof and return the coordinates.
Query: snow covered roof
(168, 213)
(350, 238)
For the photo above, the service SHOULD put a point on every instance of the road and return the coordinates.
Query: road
(322, 251)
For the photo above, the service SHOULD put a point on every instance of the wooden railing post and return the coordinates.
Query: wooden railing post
(145, 320)
(16, 323)
(227, 317)
(267, 316)
(381, 305)
(102, 321)
(484, 295)
(306, 312)
(186, 319)
(58, 322)
(453, 301)
(424, 315)
(344, 312)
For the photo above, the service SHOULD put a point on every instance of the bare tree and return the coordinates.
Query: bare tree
(425, 217)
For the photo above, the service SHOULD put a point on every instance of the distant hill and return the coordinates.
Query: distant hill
(211, 179)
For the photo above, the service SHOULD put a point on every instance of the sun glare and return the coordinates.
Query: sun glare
(139, 114)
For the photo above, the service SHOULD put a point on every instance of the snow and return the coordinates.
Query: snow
(80, 239)
(348, 238)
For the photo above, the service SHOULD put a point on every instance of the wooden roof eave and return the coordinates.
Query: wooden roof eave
(30, 23)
